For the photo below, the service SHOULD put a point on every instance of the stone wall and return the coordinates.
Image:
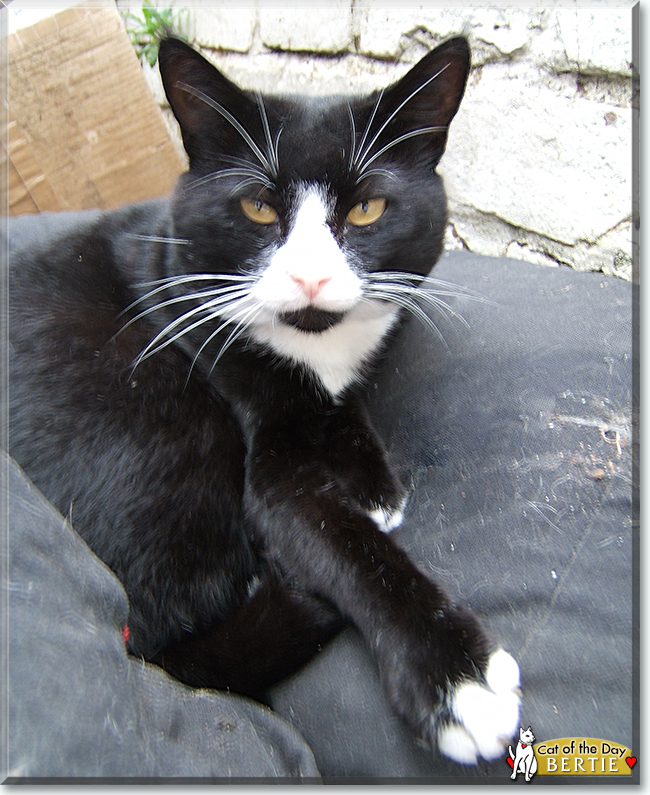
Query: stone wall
(539, 161)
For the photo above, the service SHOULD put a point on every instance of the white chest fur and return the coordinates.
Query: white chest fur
(337, 355)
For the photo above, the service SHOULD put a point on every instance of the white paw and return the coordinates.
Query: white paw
(486, 717)
(388, 519)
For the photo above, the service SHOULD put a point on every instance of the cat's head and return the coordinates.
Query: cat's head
(526, 735)
(316, 202)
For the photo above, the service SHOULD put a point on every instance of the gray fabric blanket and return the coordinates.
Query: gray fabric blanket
(515, 435)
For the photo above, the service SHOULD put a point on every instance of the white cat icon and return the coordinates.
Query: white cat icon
(524, 759)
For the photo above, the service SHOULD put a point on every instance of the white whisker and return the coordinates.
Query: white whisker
(172, 281)
(154, 347)
(408, 302)
(247, 312)
(238, 161)
(276, 145)
(353, 138)
(437, 303)
(252, 173)
(230, 118)
(244, 183)
(176, 281)
(396, 141)
(368, 125)
(272, 152)
(177, 241)
(430, 284)
(388, 120)
(411, 291)
(237, 332)
(381, 172)
(223, 295)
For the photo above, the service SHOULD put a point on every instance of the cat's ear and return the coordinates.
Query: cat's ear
(429, 95)
(201, 98)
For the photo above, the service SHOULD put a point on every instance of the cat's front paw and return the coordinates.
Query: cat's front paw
(447, 681)
(387, 517)
(483, 717)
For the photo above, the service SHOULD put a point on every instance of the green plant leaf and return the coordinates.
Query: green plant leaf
(147, 29)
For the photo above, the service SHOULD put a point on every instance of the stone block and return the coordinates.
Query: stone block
(591, 40)
(387, 32)
(223, 28)
(307, 29)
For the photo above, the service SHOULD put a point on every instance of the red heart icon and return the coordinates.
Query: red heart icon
(512, 764)
(631, 761)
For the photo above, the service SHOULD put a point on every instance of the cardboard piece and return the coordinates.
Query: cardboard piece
(83, 128)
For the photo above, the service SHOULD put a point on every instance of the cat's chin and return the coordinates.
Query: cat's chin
(311, 320)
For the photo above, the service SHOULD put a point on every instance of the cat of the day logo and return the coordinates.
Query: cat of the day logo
(568, 756)
(523, 759)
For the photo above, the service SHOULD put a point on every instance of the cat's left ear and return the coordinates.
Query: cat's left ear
(430, 94)
(206, 104)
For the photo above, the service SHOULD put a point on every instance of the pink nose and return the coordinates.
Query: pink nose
(311, 286)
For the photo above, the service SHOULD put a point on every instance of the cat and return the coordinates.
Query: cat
(186, 385)
(524, 758)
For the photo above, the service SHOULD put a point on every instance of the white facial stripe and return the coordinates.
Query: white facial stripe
(310, 267)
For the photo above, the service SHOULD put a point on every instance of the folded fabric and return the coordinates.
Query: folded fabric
(80, 707)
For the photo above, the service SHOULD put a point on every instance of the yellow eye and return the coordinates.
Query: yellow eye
(258, 211)
(367, 212)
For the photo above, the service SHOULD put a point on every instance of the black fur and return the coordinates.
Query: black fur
(231, 498)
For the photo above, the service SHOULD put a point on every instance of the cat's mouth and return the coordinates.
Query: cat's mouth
(311, 319)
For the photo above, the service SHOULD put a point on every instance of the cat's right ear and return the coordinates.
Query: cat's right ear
(200, 97)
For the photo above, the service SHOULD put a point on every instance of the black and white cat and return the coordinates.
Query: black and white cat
(185, 383)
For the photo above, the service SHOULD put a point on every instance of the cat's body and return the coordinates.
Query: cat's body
(232, 478)
(523, 757)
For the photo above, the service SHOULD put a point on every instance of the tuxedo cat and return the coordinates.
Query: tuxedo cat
(186, 386)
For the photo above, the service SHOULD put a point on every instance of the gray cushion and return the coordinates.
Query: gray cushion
(515, 435)
(79, 706)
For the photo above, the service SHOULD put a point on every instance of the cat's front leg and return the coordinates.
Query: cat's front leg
(440, 672)
(356, 454)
